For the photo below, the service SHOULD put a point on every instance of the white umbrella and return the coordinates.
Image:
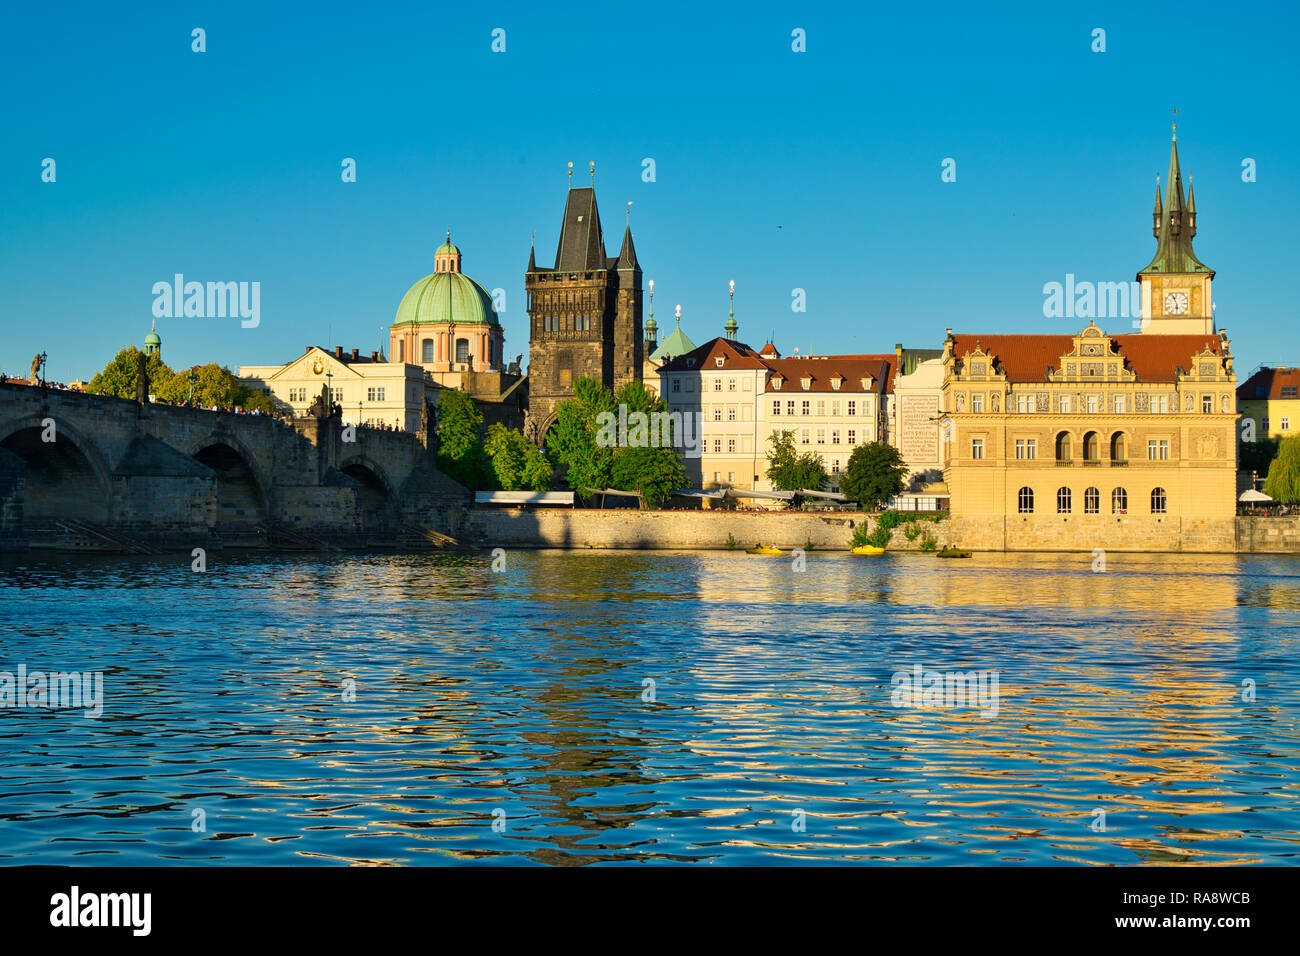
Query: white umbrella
(1254, 497)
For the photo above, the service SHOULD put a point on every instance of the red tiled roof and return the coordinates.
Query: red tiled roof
(1269, 382)
(824, 368)
(1026, 358)
(769, 351)
(733, 354)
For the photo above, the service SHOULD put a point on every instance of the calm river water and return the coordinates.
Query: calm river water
(613, 707)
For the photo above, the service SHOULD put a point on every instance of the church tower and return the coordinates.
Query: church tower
(584, 313)
(1176, 297)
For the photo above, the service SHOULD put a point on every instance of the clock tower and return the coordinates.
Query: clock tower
(1176, 297)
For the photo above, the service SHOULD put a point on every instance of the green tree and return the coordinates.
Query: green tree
(118, 377)
(573, 441)
(460, 444)
(214, 385)
(517, 463)
(1283, 481)
(654, 472)
(874, 474)
(787, 470)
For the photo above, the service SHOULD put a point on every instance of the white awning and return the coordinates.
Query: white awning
(700, 493)
(523, 498)
(619, 492)
(827, 495)
(1253, 496)
(775, 495)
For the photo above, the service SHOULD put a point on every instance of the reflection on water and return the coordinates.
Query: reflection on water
(518, 699)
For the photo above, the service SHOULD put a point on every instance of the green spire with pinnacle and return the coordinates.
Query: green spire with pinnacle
(1174, 226)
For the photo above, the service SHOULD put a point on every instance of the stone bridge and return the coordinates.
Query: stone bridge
(95, 472)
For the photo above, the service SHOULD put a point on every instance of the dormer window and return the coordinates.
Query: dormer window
(718, 361)
(776, 383)
(866, 383)
(836, 382)
(806, 382)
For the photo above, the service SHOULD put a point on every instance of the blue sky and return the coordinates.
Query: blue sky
(781, 170)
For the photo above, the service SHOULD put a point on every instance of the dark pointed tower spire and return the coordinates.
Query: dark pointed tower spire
(1157, 213)
(1174, 253)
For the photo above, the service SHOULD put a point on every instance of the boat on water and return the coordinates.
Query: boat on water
(952, 553)
(762, 549)
(866, 549)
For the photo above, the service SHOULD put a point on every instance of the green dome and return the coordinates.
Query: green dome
(152, 338)
(447, 246)
(446, 297)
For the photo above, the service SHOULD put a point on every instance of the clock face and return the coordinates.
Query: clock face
(1176, 303)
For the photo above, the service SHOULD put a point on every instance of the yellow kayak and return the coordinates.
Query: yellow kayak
(763, 550)
(866, 549)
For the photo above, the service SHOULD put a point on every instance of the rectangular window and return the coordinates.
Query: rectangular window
(776, 407)
(821, 408)
(677, 385)
(717, 384)
(1207, 404)
(717, 448)
(821, 436)
(803, 436)
(1288, 391)
(731, 446)
(835, 436)
(977, 448)
(1026, 448)
(1158, 449)
(1120, 404)
(731, 413)
(1159, 404)
(977, 403)
(1286, 423)
(717, 413)
(853, 436)
(835, 409)
(1065, 404)
(803, 410)
(853, 407)
(835, 467)
(731, 384)
(1093, 404)
(1263, 423)
(789, 407)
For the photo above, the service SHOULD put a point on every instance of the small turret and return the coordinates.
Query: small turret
(731, 327)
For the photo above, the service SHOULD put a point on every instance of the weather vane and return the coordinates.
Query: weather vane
(1176, 112)
(593, 172)
(570, 175)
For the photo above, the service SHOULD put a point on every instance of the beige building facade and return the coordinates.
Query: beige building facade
(370, 390)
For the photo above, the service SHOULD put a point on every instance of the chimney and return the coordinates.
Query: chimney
(374, 356)
(309, 348)
(356, 354)
(338, 351)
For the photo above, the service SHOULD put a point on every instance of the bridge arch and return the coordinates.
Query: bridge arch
(241, 492)
(66, 478)
(378, 498)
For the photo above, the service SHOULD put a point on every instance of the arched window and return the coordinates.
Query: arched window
(426, 350)
(1091, 501)
(462, 350)
(1118, 447)
(1158, 501)
(1062, 501)
(1091, 447)
(401, 350)
(1026, 501)
(1119, 502)
(1063, 446)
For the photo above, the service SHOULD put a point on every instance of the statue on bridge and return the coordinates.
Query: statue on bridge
(322, 407)
(37, 362)
(142, 378)
(514, 366)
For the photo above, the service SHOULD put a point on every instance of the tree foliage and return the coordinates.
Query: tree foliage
(213, 385)
(461, 455)
(1283, 481)
(874, 474)
(1257, 456)
(573, 440)
(787, 470)
(653, 468)
(517, 464)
